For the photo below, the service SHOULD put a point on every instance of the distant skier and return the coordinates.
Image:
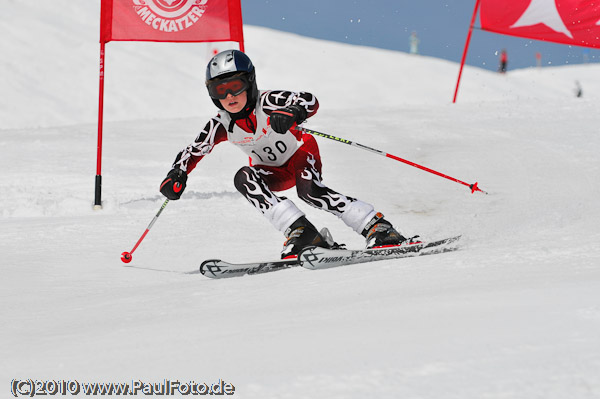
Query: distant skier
(503, 61)
(586, 55)
(261, 124)
(413, 42)
(578, 89)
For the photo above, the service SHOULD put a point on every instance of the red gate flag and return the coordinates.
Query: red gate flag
(171, 20)
(162, 21)
(574, 22)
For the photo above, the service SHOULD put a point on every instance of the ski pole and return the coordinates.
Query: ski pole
(473, 186)
(126, 256)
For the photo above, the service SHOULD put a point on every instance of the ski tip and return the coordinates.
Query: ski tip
(210, 261)
(206, 264)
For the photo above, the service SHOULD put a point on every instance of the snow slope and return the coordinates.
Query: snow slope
(514, 314)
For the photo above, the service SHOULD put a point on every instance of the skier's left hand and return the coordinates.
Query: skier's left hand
(173, 185)
(284, 118)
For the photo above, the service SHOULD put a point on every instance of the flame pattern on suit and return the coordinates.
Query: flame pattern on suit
(312, 191)
(249, 183)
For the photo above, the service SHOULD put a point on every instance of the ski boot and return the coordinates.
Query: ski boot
(380, 233)
(302, 234)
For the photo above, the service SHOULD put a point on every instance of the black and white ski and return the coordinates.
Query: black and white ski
(216, 268)
(320, 258)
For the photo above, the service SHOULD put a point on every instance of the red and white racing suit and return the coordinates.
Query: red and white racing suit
(277, 162)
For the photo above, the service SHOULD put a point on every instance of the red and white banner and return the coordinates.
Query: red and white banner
(171, 20)
(574, 22)
(162, 21)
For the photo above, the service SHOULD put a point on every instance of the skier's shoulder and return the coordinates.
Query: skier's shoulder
(283, 93)
(215, 127)
(281, 98)
(222, 117)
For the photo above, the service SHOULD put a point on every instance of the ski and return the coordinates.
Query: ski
(216, 268)
(320, 258)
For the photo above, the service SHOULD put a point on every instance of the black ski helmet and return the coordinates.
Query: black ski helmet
(228, 63)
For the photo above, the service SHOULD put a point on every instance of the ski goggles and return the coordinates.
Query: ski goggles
(234, 85)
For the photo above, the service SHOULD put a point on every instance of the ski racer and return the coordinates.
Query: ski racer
(262, 124)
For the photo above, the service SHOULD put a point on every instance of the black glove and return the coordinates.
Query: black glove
(174, 184)
(284, 118)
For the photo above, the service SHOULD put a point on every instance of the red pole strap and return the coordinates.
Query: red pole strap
(473, 186)
(464, 56)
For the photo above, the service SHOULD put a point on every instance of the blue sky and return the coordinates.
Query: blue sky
(441, 26)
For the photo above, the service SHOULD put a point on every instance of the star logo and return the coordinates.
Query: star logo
(543, 12)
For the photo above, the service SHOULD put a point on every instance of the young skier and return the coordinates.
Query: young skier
(261, 123)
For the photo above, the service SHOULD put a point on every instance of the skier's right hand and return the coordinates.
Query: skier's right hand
(173, 185)
(283, 119)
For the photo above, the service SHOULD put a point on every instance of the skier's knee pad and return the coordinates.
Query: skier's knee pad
(242, 177)
(305, 187)
(250, 184)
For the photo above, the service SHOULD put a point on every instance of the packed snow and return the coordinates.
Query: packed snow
(515, 313)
